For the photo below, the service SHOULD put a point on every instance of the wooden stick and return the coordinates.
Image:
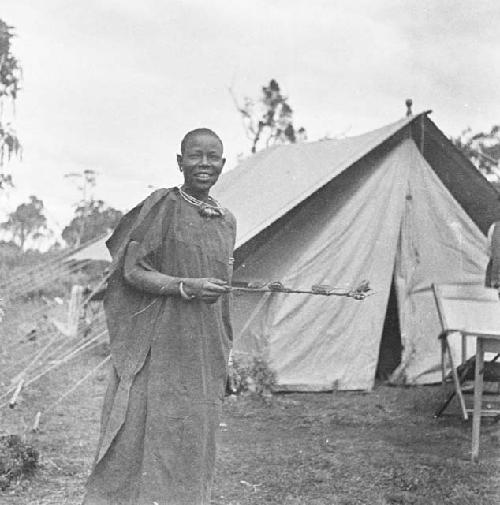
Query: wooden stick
(13, 400)
(351, 294)
(36, 423)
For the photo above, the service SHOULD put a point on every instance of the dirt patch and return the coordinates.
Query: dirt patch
(345, 448)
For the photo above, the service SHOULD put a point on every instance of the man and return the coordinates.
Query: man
(493, 268)
(167, 309)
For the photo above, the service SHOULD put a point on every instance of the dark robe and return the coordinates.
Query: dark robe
(160, 413)
(493, 268)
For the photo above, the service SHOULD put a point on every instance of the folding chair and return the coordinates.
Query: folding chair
(472, 311)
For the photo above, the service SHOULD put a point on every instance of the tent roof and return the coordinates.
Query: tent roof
(264, 187)
(94, 250)
(268, 185)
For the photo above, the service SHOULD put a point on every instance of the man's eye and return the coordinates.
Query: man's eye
(214, 157)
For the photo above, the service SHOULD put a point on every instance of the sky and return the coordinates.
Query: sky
(113, 85)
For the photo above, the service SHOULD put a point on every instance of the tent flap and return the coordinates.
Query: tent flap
(387, 217)
(439, 244)
(346, 234)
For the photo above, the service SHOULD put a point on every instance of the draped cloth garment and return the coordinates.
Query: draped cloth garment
(169, 355)
(493, 269)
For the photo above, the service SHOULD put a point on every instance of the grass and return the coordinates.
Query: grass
(345, 448)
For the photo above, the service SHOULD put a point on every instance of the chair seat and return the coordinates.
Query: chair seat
(491, 370)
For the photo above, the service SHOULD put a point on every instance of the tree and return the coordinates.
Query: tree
(483, 149)
(269, 119)
(92, 219)
(27, 221)
(88, 180)
(10, 76)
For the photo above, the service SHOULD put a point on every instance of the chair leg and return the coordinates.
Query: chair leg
(456, 382)
(451, 395)
(443, 367)
(464, 348)
(478, 396)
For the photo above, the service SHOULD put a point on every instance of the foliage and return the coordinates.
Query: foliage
(13, 258)
(9, 145)
(254, 376)
(269, 119)
(87, 180)
(92, 219)
(27, 221)
(6, 181)
(483, 149)
(16, 459)
(10, 76)
(9, 69)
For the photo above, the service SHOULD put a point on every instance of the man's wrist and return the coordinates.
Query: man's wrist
(183, 293)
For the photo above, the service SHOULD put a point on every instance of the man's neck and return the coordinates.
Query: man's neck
(199, 195)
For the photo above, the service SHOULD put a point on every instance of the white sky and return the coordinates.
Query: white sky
(112, 85)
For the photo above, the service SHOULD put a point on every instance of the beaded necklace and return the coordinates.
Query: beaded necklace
(205, 209)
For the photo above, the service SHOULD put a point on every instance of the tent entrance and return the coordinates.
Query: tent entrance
(389, 356)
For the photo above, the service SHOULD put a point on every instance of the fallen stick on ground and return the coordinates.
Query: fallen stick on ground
(36, 422)
(15, 396)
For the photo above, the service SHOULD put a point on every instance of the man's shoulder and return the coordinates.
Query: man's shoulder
(230, 216)
(134, 217)
(156, 196)
(146, 205)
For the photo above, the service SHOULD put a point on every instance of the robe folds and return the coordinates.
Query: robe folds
(169, 356)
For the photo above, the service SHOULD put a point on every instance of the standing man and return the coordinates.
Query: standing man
(167, 310)
(493, 268)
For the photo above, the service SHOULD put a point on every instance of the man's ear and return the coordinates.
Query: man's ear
(223, 162)
(179, 161)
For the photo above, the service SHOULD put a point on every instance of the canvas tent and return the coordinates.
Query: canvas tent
(400, 206)
(95, 250)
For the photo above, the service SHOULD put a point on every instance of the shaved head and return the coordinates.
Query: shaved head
(194, 133)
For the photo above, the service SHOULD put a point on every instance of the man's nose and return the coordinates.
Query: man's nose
(204, 159)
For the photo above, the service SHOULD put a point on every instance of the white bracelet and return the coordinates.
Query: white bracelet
(183, 293)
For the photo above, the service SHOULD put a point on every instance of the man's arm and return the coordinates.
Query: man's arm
(146, 279)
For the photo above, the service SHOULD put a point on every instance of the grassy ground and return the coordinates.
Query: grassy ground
(344, 448)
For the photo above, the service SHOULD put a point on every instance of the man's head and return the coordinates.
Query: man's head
(201, 161)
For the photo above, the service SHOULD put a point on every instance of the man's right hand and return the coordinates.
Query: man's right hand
(206, 289)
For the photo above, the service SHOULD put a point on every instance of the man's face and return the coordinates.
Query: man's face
(201, 163)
